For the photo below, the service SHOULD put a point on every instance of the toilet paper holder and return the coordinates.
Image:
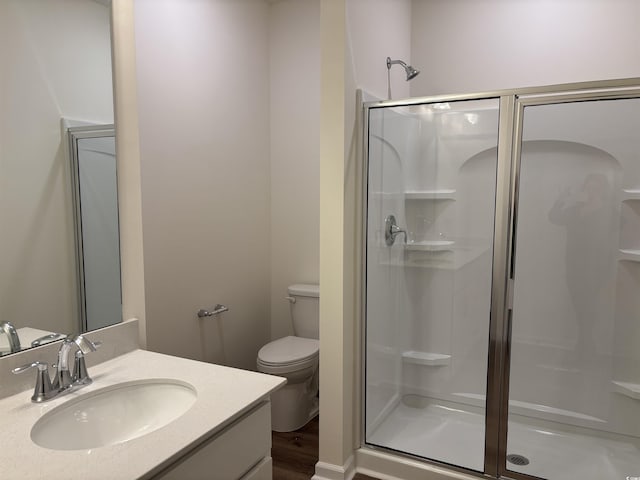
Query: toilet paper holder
(210, 312)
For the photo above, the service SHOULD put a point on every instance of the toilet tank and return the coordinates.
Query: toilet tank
(305, 311)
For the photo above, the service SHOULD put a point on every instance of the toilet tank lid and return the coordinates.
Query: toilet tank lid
(304, 290)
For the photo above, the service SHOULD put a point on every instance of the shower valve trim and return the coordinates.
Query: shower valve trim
(391, 230)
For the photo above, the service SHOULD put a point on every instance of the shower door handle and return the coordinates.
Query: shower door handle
(391, 230)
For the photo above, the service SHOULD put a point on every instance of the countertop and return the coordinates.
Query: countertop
(224, 394)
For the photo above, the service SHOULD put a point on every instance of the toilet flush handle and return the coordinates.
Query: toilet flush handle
(291, 299)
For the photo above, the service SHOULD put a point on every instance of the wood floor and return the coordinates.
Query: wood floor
(295, 454)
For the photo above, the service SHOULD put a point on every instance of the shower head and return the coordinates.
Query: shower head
(409, 70)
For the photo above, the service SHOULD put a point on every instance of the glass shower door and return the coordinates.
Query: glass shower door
(430, 226)
(94, 178)
(574, 383)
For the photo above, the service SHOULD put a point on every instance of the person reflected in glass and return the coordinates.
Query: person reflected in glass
(586, 213)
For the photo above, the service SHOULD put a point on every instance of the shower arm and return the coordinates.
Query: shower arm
(395, 62)
(408, 69)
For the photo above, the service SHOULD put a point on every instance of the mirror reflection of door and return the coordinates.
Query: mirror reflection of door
(96, 220)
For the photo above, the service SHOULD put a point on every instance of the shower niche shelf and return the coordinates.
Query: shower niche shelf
(430, 245)
(387, 195)
(426, 358)
(442, 194)
(631, 390)
(629, 254)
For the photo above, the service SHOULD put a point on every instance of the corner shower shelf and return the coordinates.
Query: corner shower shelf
(443, 194)
(631, 194)
(631, 390)
(430, 245)
(629, 254)
(426, 358)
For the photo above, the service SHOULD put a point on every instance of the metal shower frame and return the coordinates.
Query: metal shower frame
(74, 134)
(511, 110)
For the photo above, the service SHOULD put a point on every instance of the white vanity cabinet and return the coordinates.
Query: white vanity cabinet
(242, 451)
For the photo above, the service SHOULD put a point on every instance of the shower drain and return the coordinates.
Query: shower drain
(517, 459)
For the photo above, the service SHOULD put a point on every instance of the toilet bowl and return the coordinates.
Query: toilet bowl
(296, 359)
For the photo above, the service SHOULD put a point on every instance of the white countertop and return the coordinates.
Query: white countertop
(224, 394)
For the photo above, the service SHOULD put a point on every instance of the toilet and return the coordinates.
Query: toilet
(296, 359)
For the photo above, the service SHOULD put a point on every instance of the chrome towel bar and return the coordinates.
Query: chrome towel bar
(210, 312)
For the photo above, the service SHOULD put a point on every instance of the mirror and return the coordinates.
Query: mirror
(56, 78)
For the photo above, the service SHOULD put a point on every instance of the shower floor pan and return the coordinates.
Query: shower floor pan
(454, 433)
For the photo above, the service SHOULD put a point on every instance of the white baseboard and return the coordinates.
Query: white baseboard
(328, 471)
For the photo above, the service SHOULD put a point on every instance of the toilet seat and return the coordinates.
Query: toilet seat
(289, 354)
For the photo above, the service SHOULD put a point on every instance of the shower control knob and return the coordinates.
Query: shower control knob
(391, 230)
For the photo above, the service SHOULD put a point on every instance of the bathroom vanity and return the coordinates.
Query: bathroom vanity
(226, 432)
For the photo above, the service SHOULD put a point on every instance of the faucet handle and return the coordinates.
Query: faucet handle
(23, 368)
(46, 339)
(80, 373)
(85, 345)
(43, 389)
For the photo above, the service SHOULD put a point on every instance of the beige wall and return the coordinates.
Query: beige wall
(468, 46)
(334, 428)
(203, 101)
(281, 240)
(55, 58)
(357, 60)
(173, 144)
(294, 47)
(377, 29)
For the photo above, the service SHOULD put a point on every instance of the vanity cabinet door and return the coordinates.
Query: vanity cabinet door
(240, 451)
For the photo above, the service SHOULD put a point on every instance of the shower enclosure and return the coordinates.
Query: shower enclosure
(92, 152)
(502, 270)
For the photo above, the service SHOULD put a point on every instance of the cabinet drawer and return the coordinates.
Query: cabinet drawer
(262, 471)
(230, 454)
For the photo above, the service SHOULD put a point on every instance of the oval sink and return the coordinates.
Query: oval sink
(113, 414)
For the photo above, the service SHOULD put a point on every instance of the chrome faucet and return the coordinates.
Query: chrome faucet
(10, 331)
(44, 389)
(63, 381)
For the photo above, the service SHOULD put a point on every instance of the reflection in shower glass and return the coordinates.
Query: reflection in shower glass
(433, 167)
(97, 222)
(575, 356)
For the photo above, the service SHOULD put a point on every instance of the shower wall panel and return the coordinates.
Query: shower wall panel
(577, 161)
(449, 287)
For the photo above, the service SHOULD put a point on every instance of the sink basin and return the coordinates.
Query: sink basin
(113, 414)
